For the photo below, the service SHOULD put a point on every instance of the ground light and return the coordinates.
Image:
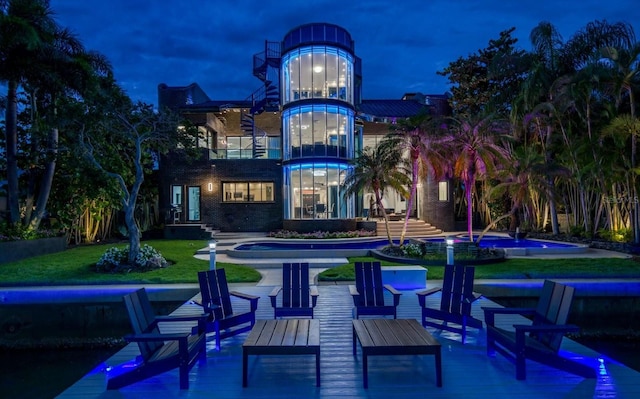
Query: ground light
(212, 254)
(449, 241)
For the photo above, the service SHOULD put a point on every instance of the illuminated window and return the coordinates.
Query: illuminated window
(248, 192)
(443, 191)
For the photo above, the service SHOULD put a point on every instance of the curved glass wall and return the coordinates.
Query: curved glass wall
(317, 72)
(318, 131)
(314, 191)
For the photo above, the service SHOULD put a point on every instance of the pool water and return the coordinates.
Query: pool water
(486, 242)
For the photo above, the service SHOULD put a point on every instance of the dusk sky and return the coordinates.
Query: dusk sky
(402, 42)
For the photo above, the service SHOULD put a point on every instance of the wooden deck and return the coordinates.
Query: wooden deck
(467, 371)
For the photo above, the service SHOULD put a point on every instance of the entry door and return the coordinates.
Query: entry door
(194, 204)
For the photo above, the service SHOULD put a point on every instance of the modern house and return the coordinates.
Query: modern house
(278, 158)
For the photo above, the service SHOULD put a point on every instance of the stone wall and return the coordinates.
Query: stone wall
(11, 251)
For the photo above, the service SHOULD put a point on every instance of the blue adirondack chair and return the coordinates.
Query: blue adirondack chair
(216, 301)
(368, 293)
(298, 297)
(159, 352)
(539, 341)
(455, 303)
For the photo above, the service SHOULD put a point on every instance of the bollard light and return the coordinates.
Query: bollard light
(212, 254)
(449, 241)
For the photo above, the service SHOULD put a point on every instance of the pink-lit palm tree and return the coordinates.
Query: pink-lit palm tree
(476, 146)
(418, 136)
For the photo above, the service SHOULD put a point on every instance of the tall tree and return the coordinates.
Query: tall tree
(49, 62)
(26, 26)
(419, 138)
(487, 81)
(477, 149)
(120, 139)
(374, 170)
(624, 61)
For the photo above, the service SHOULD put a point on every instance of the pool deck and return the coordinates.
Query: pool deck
(467, 370)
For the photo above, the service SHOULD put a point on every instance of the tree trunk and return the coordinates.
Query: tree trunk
(134, 232)
(409, 210)
(47, 181)
(12, 153)
(468, 185)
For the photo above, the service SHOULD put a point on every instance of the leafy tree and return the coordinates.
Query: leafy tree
(375, 170)
(48, 62)
(26, 26)
(487, 81)
(121, 139)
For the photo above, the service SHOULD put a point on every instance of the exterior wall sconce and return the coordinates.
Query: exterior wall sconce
(210, 187)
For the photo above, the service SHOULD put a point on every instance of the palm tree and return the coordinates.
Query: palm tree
(25, 26)
(38, 55)
(476, 149)
(418, 137)
(67, 69)
(375, 170)
(547, 88)
(625, 78)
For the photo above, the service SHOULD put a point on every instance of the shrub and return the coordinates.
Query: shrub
(412, 251)
(115, 260)
(19, 232)
(321, 234)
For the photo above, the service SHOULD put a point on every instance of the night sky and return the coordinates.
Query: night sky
(402, 42)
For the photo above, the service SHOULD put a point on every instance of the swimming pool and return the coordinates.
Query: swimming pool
(362, 246)
(522, 247)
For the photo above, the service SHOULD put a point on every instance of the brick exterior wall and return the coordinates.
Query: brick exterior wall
(244, 216)
(438, 213)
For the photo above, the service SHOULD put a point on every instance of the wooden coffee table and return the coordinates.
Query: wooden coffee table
(388, 337)
(282, 337)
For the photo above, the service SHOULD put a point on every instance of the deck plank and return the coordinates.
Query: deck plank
(389, 376)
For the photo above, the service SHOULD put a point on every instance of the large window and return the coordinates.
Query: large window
(317, 72)
(248, 191)
(315, 191)
(318, 131)
(241, 147)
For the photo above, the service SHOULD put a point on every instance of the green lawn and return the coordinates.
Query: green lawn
(520, 269)
(75, 266)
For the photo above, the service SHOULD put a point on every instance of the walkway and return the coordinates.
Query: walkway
(467, 371)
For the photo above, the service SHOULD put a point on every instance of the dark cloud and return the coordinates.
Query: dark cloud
(402, 42)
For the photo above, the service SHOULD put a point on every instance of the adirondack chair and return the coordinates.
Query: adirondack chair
(455, 303)
(298, 297)
(541, 340)
(159, 352)
(216, 301)
(368, 294)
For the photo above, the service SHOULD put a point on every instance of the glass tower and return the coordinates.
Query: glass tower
(318, 93)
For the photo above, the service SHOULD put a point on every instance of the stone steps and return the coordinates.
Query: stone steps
(415, 228)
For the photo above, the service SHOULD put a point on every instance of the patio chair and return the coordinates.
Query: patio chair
(455, 303)
(159, 352)
(216, 301)
(298, 297)
(540, 341)
(368, 294)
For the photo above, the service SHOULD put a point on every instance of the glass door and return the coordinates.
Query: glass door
(194, 204)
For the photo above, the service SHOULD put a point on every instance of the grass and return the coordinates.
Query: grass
(519, 269)
(75, 266)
